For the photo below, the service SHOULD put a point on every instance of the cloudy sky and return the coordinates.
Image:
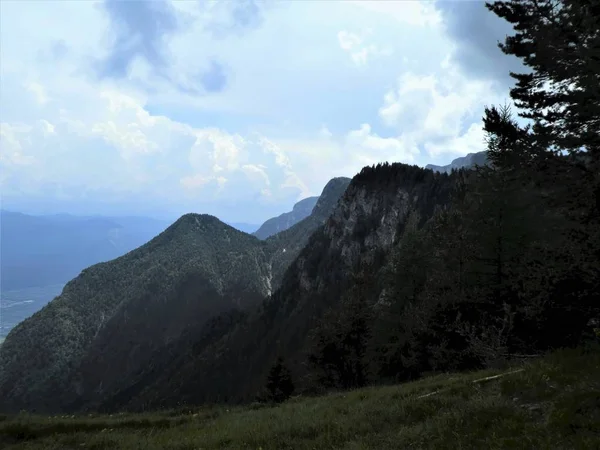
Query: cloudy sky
(233, 108)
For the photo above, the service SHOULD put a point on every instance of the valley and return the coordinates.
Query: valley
(19, 304)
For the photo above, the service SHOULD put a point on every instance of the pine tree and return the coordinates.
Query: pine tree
(280, 386)
(338, 354)
(559, 40)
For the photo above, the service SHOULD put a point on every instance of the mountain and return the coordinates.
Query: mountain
(286, 245)
(104, 331)
(114, 314)
(228, 361)
(464, 162)
(47, 250)
(300, 211)
(409, 272)
(245, 227)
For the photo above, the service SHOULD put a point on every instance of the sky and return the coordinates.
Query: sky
(233, 108)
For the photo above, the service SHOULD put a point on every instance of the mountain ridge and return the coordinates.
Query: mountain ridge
(45, 250)
(233, 366)
(464, 162)
(199, 266)
(300, 211)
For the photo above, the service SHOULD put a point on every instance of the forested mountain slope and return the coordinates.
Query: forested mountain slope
(275, 225)
(109, 321)
(361, 230)
(284, 247)
(414, 272)
(116, 313)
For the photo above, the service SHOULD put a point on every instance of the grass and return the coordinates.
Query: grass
(554, 402)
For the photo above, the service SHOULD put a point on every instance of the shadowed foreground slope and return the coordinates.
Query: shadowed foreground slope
(553, 403)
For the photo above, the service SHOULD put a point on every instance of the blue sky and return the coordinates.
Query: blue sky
(233, 108)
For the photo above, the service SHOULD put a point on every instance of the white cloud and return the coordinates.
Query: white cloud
(195, 181)
(216, 151)
(348, 41)
(359, 51)
(441, 110)
(11, 139)
(262, 141)
(47, 127)
(380, 148)
(416, 13)
(257, 174)
(324, 132)
(39, 92)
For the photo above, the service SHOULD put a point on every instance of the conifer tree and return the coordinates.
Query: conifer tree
(280, 386)
(559, 41)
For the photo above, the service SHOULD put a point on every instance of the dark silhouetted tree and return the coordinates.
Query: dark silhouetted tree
(279, 386)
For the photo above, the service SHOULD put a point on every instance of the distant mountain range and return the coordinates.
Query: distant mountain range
(470, 160)
(41, 253)
(301, 210)
(245, 227)
(52, 249)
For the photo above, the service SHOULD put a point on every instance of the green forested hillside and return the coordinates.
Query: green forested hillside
(285, 246)
(416, 272)
(121, 310)
(110, 326)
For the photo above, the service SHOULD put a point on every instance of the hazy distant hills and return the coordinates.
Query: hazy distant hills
(18, 304)
(52, 249)
(470, 160)
(41, 253)
(301, 210)
(245, 227)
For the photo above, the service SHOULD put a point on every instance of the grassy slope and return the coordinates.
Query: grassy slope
(553, 403)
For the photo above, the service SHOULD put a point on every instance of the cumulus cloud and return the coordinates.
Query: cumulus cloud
(12, 153)
(39, 92)
(381, 148)
(138, 29)
(476, 32)
(360, 51)
(222, 18)
(203, 106)
(415, 13)
(139, 46)
(440, 111)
